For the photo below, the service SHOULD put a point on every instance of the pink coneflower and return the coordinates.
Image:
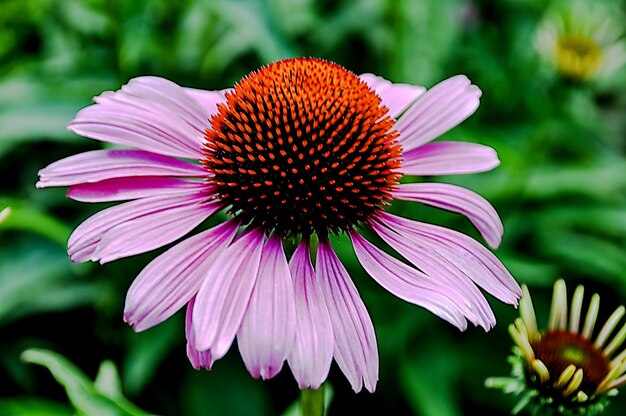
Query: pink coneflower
(296, 151)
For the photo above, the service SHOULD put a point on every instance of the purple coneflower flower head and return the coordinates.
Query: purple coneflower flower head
(573, 366)
(297, 151)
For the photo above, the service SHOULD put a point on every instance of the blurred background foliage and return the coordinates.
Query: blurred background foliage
(561, 189)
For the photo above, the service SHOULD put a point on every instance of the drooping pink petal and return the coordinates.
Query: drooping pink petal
(462, 251)
(170, 280)
(355, 351)
(439, 267)
(148, 113)
(150, 213)
(457, 199)
(410, 284)
(267, 331)
(225, 293)
(449, 158)
(438, 110)
(198, 359)
(121, 189)
(397, 97)
(312, 352)
(99, 165)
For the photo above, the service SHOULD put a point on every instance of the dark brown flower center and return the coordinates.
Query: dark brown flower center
(302, 146)
(558, 349)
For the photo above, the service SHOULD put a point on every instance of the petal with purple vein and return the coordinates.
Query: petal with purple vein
(312, 352)
(170, 280)
(457, 199)
(87, 236)
(148, 113)
(267, 331)
(438, 110)
(463, 252)
(225, 293)
(408, 283)
(198, 359)
(356, 351)
(439, 267)
(98, 165)
(449, 158)
(121, 189)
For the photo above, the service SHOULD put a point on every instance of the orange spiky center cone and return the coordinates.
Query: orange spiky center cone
(302, 146)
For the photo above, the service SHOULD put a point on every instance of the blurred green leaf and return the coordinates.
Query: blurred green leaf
(108, 380)
(81, 391)
(29, 123)
(212, 394)
(602, 181)
(424, 35)
(588, 254)
(35, 277)
(147, 350)
(19, 215)
(428, 379)
(33, 406)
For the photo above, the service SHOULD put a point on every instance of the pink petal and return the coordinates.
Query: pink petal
(462, 251)
(438, 110)
(225, 293)
(208, 99)
(198, 359)
(148, 113)
(408, 283)
(99, 165)
(142, 214)
(449, 158)
(152, 231)
(441, 269)
(312, 352)
(120, 189)
(397, 97)
(356, 352)
(457, 199)
(268, 328)
(171, 279)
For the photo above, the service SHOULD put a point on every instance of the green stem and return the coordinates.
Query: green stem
(312, 402)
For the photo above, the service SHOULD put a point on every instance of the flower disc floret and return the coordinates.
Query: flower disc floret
(302, 146)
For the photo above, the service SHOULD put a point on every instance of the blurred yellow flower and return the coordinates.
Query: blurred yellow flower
(582, 39)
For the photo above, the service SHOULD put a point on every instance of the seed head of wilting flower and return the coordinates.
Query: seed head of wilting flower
(297, 151)
(565, 369)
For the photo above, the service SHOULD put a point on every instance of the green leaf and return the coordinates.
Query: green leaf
(587, 254)
(428, 380)
(602, 181)
(20, 215)
(81, 391)
(33, 406)
(213, 393)
(32, 123)
(147, 351)
(108, 380)
(35, 277)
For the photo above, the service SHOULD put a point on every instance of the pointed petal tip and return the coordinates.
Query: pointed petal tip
(269, 372)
